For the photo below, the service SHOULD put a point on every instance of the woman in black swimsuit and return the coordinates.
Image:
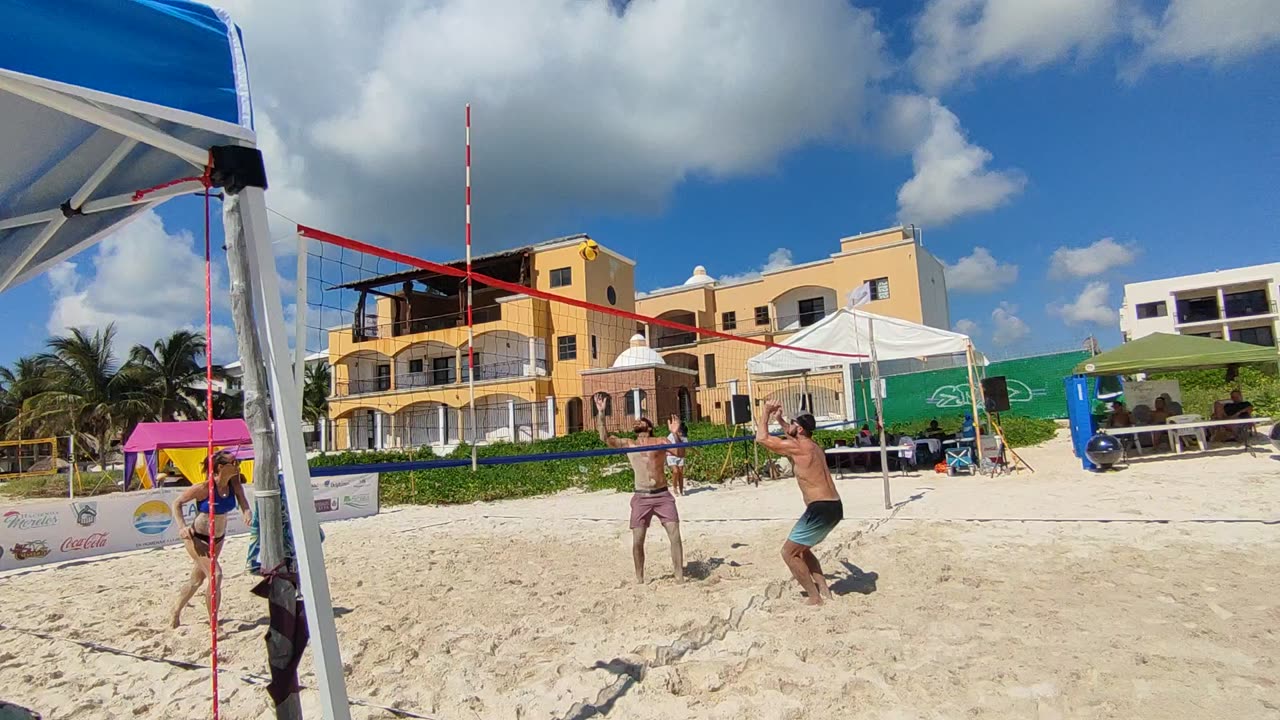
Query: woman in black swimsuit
(228, 494)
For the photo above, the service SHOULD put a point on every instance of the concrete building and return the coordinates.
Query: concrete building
(1238, 304)
(400, 367)
(906, 282)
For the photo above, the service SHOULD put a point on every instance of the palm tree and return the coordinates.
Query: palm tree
(18, 385)
(315, 393)
(173, 371)
(86, 393)
(227, 406)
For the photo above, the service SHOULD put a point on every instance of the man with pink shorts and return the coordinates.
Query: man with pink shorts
(652, 498)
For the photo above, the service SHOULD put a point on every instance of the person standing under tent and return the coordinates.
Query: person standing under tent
(652, 497)
(675, 457)
(201, 533)
(823, 508)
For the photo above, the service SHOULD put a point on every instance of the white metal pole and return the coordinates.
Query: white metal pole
(751, 406)
(250, 205)
(71, 469)
(876, 394)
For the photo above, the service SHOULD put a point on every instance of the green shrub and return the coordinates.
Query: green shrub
(1201, 388)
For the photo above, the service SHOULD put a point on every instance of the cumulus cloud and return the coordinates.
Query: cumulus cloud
(966, 326)
(951, 174)
(1089, 308)
(958, 38)
(577, 104)
(1215, 31)
(778, 259)
(147, 281)
(1089, 260)
(979, 271)
(1008, 327)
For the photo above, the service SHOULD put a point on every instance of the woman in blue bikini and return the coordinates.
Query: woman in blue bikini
(228, 495)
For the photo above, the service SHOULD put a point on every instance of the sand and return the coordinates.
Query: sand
(967, 601)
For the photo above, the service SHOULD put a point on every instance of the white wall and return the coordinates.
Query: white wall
(1165, 290)
(935, 305)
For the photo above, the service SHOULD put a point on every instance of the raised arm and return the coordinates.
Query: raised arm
(781, 446)
(602, 401)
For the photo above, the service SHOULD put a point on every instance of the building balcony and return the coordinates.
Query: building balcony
(434, 379)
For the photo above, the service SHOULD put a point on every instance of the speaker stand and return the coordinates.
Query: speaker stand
(995, 421)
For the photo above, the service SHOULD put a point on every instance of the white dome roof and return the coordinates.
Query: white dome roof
(638, 354)
(700, 277)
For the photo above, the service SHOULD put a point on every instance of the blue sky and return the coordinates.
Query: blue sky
(1153, 124)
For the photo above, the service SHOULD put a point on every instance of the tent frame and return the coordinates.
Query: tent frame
(269, 313)
(971, 355)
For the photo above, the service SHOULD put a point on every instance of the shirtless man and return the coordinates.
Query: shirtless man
(823, 509)
(651, 496)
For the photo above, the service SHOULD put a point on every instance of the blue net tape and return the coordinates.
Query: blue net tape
(407, 465)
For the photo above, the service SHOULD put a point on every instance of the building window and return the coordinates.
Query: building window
(561, 277)
(567, 347)
(611, 295)
(384, 378)
(811, 311)
(762, 315)
(709, 369)
(1152, 310)
(805, 401)
(729, 321)
(442, 370)
(595, 352)
(415, 365)
(1255, 336)
(879, 288)
(631, 402)
(1244, 304)
(1198, 310)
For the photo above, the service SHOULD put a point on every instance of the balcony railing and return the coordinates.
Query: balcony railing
(675, 339)
(372, 329)
(441, 378)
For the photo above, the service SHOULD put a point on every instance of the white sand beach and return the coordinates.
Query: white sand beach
(975, 598)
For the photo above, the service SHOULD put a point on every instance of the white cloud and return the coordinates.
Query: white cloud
(1216, 31)
(956, 39)
(1089, 260)
(147, 281)
(778, 259)
(966, 326)
(979, 271)
(951, 175)
(1008, 327)
(576, 104)
(1090, 307)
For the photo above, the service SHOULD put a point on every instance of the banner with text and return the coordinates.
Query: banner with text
(59, 530)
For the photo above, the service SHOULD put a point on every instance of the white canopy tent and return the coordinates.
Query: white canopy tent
(880, 339)
(102, 98)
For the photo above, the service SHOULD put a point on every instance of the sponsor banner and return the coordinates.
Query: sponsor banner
(60, 530)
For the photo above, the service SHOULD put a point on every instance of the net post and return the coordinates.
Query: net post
(71, 467)
(471, 330)
(876, 395)
(300, 319)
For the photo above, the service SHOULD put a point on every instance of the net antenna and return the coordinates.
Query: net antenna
(471, 330)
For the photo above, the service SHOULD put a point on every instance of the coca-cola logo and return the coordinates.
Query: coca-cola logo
(92, 542)
(15, 520)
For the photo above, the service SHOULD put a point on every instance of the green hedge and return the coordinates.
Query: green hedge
(1201, 388)
(712, 463)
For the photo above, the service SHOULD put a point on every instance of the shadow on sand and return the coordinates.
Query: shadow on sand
(856, 580)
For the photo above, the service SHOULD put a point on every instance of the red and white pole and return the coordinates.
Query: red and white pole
(471, 333)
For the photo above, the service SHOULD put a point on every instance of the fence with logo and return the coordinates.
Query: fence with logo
(60, 530)
(1035, 389)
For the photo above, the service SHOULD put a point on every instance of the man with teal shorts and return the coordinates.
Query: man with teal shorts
(823, 509)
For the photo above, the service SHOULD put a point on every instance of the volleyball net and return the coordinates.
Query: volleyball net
(415, 360)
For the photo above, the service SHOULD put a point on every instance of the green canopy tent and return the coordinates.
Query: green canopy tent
(1162, 352)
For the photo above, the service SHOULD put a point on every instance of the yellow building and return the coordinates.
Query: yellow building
(906, 281)
(400, 367)
(400, 375)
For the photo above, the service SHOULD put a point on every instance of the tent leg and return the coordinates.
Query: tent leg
(287, 409)
(876, 394)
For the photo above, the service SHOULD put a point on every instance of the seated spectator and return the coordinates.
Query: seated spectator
(1120, 416)
(934, 431)
(1160, 415)
(1237, 408)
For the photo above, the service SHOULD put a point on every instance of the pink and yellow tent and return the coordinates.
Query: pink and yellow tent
(185, 444)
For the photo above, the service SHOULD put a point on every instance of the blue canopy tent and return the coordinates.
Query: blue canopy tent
(102, 98)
